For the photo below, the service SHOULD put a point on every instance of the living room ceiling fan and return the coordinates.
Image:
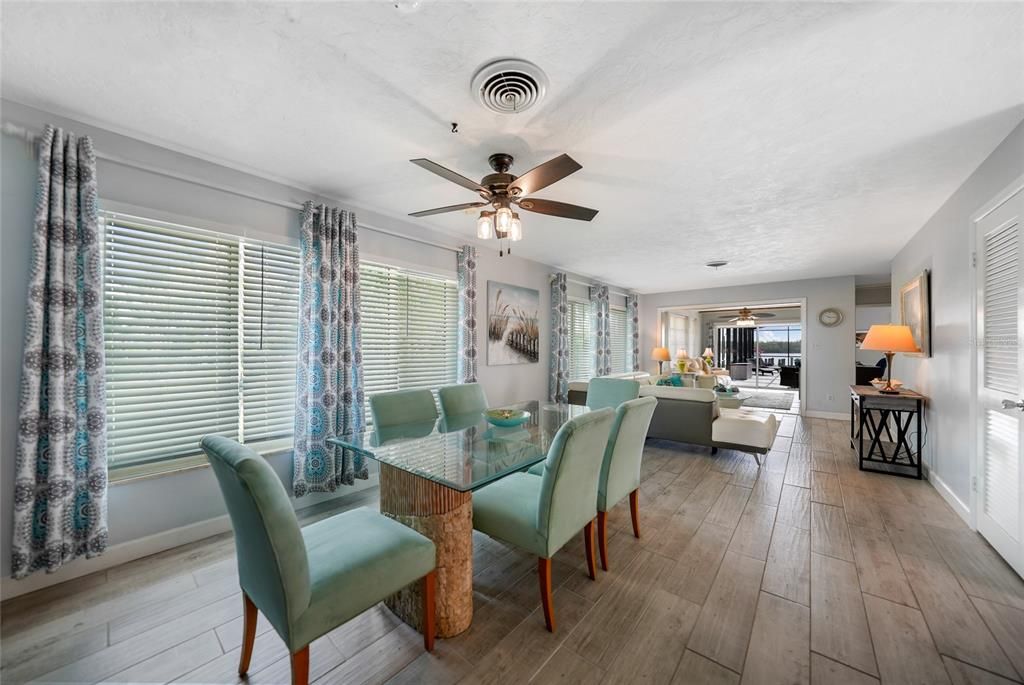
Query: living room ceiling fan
(746, 319)
(506, 192)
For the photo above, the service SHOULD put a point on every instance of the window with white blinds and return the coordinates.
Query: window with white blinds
(200, 338)
(409, 326)
(617, 328)
(268, 314)
(581, 341)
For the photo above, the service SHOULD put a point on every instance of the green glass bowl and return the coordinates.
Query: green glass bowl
(507, 418)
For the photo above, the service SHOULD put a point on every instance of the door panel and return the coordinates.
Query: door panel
(1000, 288)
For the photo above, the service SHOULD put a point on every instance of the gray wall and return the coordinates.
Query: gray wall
(943, 245)
(869, 315)
(828, 352)
(146, 507)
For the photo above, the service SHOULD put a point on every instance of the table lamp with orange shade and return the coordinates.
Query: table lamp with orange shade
(890, 339)
(660, 355)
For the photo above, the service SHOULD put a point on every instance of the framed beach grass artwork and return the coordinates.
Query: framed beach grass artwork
(916, 312)
(513, 326)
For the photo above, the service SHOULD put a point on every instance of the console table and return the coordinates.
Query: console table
(873, 416)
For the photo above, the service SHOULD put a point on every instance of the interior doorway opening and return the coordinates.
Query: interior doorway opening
(754, 348)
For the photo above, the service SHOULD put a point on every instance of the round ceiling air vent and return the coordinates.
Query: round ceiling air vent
(509, 86)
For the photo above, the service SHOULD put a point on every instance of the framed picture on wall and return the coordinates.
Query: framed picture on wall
(513, 327)
(915, 311)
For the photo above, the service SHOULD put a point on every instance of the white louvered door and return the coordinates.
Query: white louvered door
(1000, 480)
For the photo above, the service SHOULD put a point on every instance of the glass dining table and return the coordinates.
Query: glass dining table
(428, 471)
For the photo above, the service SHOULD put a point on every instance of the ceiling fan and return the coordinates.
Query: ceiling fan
(506, 192)
(746, 318)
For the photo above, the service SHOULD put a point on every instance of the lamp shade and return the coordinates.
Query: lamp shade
(660, 354)
(890, 338)
(708, 352)
(681, 354)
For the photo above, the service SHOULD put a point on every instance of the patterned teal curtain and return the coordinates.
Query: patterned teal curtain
(558, 378)
(466, 269)
(633, 330)
(329, 369)
(601, 324)
(60, 488)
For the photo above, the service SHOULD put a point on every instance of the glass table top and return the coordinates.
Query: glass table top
(465, 452)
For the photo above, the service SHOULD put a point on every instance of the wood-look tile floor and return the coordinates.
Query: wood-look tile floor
(805, 570)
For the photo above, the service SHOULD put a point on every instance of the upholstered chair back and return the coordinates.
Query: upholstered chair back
(611, 392)
(464, 398)
(273, 569)
(620, 473)
(568, 494)
(402, 406)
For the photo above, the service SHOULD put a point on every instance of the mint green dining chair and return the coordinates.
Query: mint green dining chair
(308, 581)
(620, 470)
(462, 399)
(541, 514)
(611, 392)
(402, 406)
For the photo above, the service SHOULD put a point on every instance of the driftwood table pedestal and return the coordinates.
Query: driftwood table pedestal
(446, 517)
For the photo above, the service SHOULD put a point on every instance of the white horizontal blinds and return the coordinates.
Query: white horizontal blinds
(428, 354)
(581, 342)
(381, 322)
(617, 326)
(171, 326)
(409, 329)
(1000, 306)
(268, 329)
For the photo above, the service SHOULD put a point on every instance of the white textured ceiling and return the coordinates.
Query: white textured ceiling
(795, 140)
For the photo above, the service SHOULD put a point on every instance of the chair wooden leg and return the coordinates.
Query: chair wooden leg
(429, 610)
(602, 537)
(544, 574)
(588, 538)
(300, 667)
(634, 511)
(248, 633)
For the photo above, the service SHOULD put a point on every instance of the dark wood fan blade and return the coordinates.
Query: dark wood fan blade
(552, 208)
(450, 175)
(449, 208)
(544, 175)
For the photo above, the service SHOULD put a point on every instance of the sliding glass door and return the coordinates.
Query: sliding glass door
(762, 356)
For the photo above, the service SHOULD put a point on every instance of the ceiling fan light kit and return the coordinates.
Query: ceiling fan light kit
(505, 193)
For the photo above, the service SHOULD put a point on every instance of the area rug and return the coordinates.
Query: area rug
(770, 400)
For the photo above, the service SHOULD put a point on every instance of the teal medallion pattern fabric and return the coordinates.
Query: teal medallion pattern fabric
(60, 488)
(329, 368)
(465, 262)
(633, 331)
(558, 377)
(601, 325)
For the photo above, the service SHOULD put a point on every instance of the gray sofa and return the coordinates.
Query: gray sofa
(692, 415)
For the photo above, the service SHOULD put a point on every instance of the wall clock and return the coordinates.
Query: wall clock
(830, 317)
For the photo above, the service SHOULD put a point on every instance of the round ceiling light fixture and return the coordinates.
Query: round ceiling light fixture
(509, 86)
(716, 264)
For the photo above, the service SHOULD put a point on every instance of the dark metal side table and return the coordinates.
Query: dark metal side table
(884, 422)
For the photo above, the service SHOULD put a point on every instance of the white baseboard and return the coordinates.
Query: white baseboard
(122, 553)
(958, 505)
(117, 555)
(834, 415)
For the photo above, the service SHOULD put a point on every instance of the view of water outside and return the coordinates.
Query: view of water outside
(779, 344)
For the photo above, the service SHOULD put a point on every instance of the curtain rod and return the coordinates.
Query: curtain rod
(589, 283)
(29, 136)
